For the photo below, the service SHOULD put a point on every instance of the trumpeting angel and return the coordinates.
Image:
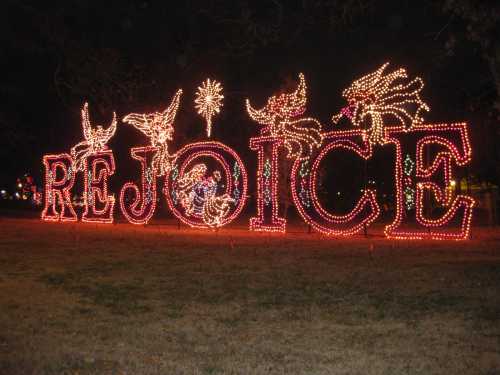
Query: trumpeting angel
(281, 117)
(158, 127)
(96, 139)
(382, 99)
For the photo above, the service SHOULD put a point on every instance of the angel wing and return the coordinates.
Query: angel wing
(110, 131)
(146, 122)
(141, 122)
(381, 98)
(168, 116)
(87, 128)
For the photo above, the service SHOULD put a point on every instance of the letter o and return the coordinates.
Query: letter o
(233, 173)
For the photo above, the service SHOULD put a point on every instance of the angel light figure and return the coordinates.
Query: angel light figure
(378, 97)
(281, 118)
(198, 196)
(95, 139)
(158, 127)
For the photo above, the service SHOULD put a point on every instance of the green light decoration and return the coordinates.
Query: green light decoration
(175, 172)
(236, 176)
(236, 171)
(304, 194)
(409, 195)
(408, 192)
(267, 182)
(304, 169)
(409, 165)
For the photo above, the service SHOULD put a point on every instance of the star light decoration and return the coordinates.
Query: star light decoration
(379, 98)
(208, 101)
(96, 139)
(158, 127)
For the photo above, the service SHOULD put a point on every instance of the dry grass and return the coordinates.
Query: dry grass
(87, 299)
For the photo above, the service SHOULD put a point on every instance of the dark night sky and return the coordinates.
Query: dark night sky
(131, 56)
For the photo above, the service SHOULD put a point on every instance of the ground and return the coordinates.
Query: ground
(123, 299)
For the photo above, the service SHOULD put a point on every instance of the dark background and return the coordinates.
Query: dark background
(131, 56)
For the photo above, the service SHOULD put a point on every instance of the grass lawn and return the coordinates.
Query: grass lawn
(121, 299)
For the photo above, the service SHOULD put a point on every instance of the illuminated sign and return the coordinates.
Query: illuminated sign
(205, 183)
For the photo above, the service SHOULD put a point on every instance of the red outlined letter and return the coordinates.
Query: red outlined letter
(202, 195)
(59, 180)
(434, 147)
(304, 185)
(97, 168)
(267, 218)
(143, 203)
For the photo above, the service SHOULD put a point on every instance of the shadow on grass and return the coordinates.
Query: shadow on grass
(294, 295)
(119, 298)
(122, 299)
(82, 366)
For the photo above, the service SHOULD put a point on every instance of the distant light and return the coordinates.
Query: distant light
(17, 195)
(453, 183)
(338, 193)
(3, 192)
(19, 185)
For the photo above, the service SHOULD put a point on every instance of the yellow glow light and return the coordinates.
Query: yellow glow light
(379, 98)
(208, 101)
(96, 139)
(158, 127)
